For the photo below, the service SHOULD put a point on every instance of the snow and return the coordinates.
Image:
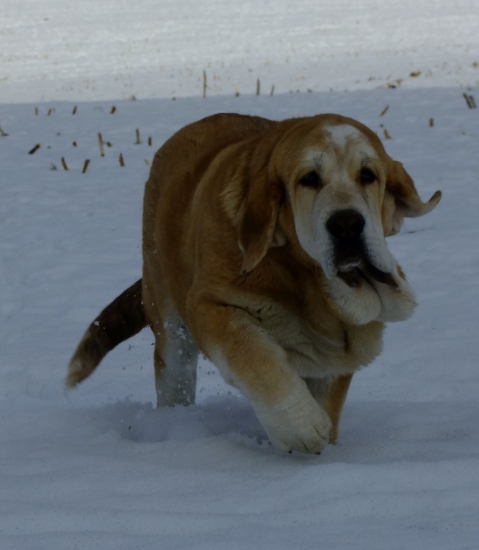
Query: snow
(100, 467)
(160, 48)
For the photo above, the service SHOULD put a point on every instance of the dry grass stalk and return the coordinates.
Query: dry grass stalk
(122, 162)
(386, 134)
(113, 109)
(85, 166)
(384, 111)
(100, 145)
(138, 141)
(32, 151)
(470, 101)
(2, 133)
(204, 83)
(74, 112)
(64, 164)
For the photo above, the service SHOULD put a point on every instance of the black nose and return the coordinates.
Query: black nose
(346, 224)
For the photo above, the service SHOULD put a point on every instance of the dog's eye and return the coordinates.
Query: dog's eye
(311, 179)
(367, 176)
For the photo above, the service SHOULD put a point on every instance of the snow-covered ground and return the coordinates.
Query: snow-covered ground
(100, 467)
(159, 48)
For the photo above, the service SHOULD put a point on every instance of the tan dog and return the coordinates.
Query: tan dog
(263, 247)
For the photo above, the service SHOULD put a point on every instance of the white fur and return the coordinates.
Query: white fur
(298, 423)
(341, 134)
(177, 383)
(397, 304)
(358, 305)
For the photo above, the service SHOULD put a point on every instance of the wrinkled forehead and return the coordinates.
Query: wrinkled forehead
(341, 145)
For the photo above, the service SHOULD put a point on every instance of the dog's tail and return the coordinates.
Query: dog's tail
(120, 320)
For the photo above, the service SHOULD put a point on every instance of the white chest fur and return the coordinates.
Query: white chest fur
(318, 345)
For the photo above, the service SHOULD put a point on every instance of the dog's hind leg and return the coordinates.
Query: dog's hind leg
(175, 360)
(175, 355)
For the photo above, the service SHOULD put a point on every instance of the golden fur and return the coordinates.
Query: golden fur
(263, 247)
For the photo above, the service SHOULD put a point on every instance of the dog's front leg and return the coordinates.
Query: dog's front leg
(250, 358)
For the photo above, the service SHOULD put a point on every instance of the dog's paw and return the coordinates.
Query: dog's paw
(298, 425)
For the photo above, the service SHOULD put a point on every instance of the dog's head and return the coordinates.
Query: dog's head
(328, 187)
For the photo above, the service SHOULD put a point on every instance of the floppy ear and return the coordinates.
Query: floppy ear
(258, 218)
(402, 200)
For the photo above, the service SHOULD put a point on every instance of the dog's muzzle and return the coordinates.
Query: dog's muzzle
(352, 259)
(346, 229)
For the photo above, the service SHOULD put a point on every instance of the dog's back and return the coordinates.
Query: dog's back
(177, 169)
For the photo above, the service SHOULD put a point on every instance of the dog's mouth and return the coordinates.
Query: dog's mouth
(348, 254)
(347, 260)
(354, 266)
(365, 272)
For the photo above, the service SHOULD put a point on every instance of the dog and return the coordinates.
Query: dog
(264, 248)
